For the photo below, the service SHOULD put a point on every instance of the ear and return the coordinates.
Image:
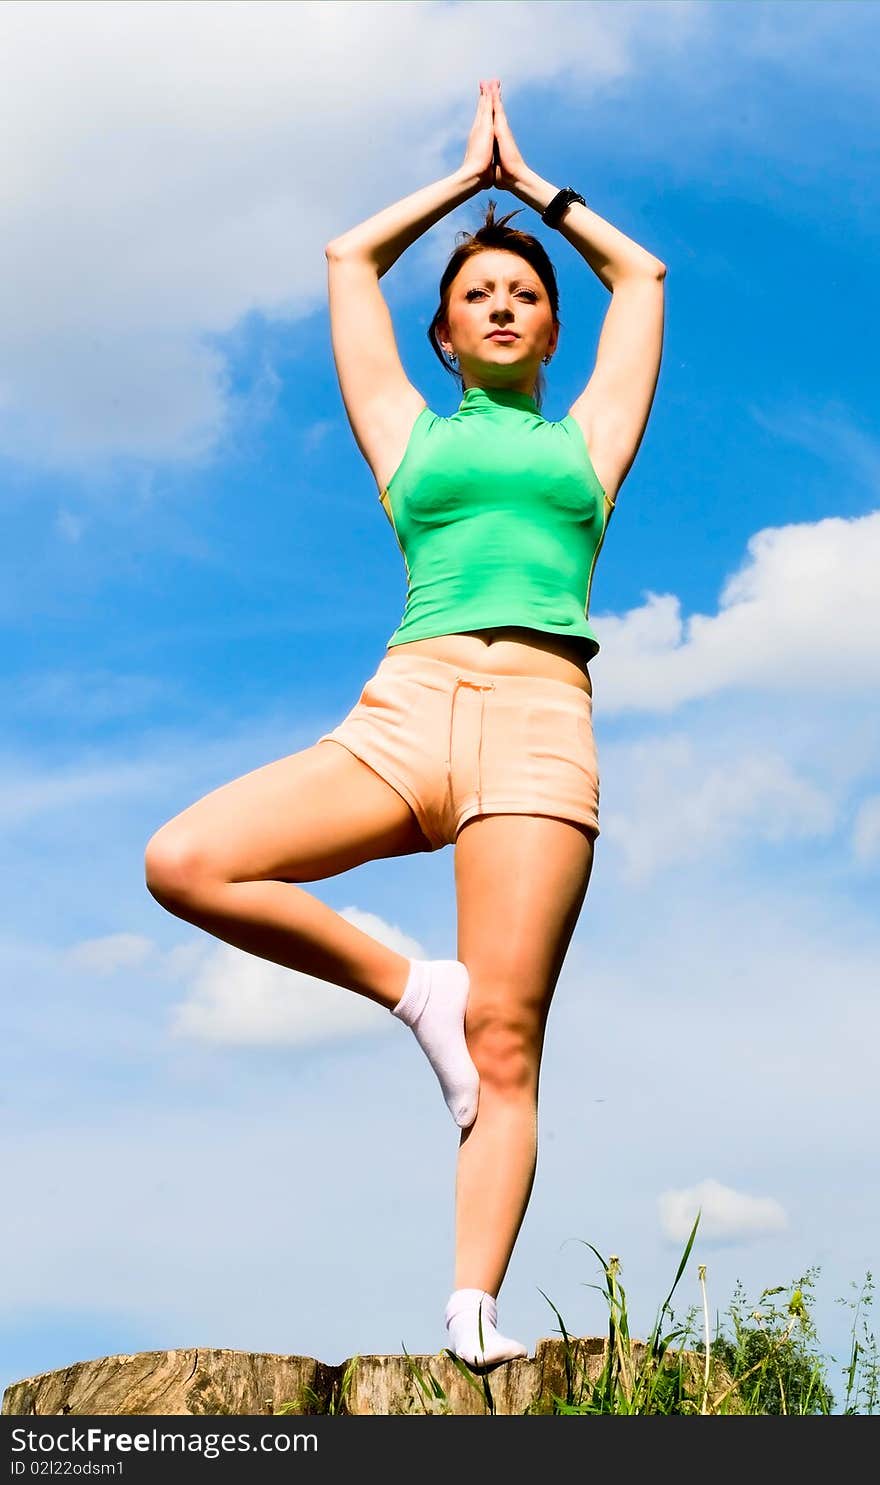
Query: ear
(442, 335)
(553, 341)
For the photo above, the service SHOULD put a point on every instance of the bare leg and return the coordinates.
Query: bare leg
(521, 882)
(283, 923)
(496, 1172)
(229, 864)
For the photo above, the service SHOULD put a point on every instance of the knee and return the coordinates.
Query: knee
(505, 1047)
(173, 866)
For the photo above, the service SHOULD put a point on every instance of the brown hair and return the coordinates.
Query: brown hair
(494, 234)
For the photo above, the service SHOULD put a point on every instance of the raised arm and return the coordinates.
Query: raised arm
(380, 401)
(613, 409)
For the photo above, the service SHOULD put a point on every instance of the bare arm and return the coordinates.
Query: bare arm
(382, 238)
(610, 253)
(381, 402)
(613, 409)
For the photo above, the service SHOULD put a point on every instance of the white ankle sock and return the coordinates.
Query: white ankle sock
(466, 1310)
(433, 1005)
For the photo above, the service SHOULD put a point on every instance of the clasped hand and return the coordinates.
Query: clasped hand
(492, 154)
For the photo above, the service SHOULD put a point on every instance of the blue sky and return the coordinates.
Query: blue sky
(201, 1148)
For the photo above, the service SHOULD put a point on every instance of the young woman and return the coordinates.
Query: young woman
(477, 727)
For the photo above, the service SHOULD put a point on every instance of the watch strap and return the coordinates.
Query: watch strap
(552, 214)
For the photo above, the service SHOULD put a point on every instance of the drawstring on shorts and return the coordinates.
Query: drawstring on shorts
(475, 686)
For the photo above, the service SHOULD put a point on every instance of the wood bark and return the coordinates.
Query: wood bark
(240, 1383)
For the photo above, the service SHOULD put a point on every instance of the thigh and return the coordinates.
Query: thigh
(313, 814)
(520, 884)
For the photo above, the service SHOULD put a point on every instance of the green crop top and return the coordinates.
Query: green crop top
(500, 518)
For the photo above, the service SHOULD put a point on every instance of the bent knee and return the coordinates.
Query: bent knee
(174, 867)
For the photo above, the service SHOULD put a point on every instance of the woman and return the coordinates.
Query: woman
(477, 726)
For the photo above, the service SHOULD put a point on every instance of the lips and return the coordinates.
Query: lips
(502, 335)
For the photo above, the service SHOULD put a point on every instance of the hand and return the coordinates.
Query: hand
(510, 167)
(480, 155)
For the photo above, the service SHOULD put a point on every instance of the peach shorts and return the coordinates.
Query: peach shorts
(458, 743)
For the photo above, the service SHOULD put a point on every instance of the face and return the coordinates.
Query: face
(498, 291)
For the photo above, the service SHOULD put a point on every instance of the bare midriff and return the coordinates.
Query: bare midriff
(511, 651)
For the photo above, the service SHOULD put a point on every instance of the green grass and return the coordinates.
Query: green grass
(764, 1357)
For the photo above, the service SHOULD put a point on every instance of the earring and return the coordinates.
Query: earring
(547, 360)
(454, 360)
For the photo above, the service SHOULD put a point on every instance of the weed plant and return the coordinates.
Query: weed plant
(763, 1358)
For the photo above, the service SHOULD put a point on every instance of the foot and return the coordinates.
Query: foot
(471, 1321)
(433, 1005)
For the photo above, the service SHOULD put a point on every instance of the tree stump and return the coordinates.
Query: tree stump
(241, 1383)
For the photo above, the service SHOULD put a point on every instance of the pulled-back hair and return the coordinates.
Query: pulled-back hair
(496, 235)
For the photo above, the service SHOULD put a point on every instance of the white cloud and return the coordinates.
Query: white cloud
(93, 695)
(688, 798)
(173, 168)
(26, 793)
(240, 999)
(678, 997)
(725, 1214)
(773, 759)
(801, 613)
(104, 956)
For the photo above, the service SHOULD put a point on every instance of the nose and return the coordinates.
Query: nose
(501, 311)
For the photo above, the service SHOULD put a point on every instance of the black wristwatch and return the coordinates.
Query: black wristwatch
(553, 214)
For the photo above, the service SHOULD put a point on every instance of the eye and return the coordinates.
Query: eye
(529, 293)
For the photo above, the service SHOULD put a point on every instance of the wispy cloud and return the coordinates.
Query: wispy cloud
(173, 175)
(830, 433)
(239, 999)
(726, 1215)
(90, 695)
(108, 955)
(681, 799)
(26, 793)
(317, 432)
(174, 221)
(866, 831)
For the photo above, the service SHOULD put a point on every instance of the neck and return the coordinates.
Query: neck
(524, 389)
(475, 398)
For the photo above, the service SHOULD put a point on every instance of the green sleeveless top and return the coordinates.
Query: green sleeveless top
(500, 518)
